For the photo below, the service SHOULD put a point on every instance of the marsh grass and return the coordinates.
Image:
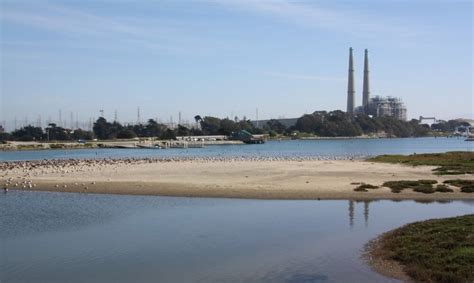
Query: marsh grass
(442, 188)
(422, 186)
(467, 186)
(440, 250)
(449, 163)
(459, 182)
(364, 187)
(467, 189)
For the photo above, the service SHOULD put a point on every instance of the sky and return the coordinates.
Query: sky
(228, 58)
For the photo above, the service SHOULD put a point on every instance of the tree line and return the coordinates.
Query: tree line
(321, 123)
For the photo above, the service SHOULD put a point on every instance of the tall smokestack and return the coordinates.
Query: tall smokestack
(350, 85)
(366, 86)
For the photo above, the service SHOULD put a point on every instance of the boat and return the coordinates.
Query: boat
(153, 146)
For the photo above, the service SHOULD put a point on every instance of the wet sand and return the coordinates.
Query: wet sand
(375, 257)
(229, 178)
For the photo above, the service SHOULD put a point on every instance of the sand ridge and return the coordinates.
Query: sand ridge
(236, 178)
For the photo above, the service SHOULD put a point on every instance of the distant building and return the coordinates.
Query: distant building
(385, 106)
(377, 106)
(464, 131)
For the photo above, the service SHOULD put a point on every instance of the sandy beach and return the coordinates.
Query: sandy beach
(257, 179)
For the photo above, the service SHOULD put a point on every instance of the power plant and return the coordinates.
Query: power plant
(350, 85)
(377, 106)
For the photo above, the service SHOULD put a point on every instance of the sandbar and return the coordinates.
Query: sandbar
(281, 179)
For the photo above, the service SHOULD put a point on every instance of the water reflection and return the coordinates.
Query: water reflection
(366, 212)
(352, 208)
(351, 213)
(147, 239)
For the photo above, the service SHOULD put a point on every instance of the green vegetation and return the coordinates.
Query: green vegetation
(51, 133)
(440, 250)
(443, 189)
(467, 189)
(448, 126)
(467, 186)
(459, 182)
(426, 189)
(338, 123)
(215, 126)
(450, 163)
(422, 186)
(426, 186)
(364, 187)
(320, 124)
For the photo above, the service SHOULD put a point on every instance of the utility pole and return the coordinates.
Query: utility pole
(256, 116)
(60, 118)
(138, 115)
(115, 115)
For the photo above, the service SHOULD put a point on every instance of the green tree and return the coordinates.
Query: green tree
(126, 134)
(80, 134)
(275, 126)
(227, 127)
(182, 131)
(154, 129)
(28, 133)
(101, 128)
(210, 125)
(168, 134)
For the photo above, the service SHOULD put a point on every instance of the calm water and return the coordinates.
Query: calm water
(58, 237)
(273, 148)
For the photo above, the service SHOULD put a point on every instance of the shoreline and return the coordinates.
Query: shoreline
(168, 190)
(223, 178)
(373, 255)
(12, 146)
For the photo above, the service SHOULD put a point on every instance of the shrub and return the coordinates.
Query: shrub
(460, 182)
(467, 189)
(443, 189)
(422, 186)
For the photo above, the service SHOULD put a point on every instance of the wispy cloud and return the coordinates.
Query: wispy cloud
(93, 31)
(311, 14)
(65, 20)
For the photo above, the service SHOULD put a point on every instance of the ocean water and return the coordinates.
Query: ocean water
(68, 237)
(294, 148)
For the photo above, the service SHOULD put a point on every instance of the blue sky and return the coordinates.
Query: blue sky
(229, 57)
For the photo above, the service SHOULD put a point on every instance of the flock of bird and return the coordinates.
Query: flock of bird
(19, 174)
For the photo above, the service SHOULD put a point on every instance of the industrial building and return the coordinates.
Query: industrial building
(377, 106)
(386, 106)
